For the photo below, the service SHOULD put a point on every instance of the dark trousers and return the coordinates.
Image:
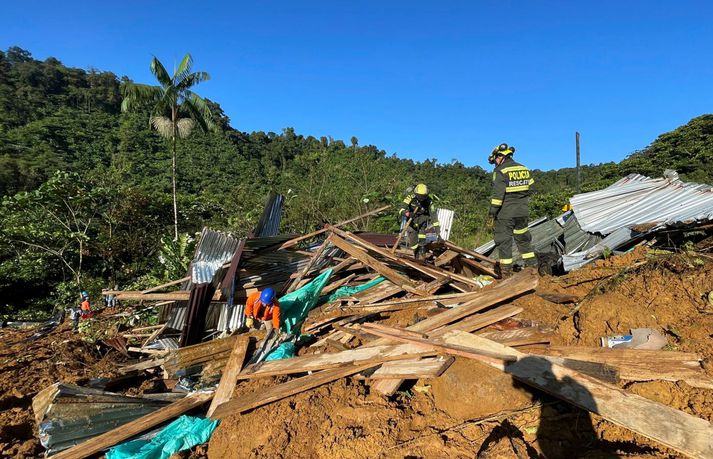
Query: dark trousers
(509, 228)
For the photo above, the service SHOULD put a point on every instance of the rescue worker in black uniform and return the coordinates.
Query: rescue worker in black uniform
(509, 207)
(419, 209)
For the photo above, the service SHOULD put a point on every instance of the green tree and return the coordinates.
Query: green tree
(57, 221)
(175, 108)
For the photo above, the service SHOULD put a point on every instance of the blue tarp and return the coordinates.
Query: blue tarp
(183, 433)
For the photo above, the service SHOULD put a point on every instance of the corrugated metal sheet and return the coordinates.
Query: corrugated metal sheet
(213, 251)
(490, 245)
(445, 218)
(638, 200)
(575, 239)
(612, 242)
(269, 223)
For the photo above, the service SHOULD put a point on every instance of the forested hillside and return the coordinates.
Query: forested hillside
(86, 188)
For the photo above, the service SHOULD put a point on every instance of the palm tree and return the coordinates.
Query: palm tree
(175, 108)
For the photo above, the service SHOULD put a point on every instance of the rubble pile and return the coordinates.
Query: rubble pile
(377, 347)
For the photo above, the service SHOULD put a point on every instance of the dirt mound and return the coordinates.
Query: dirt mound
(474, 411)
(26, 367)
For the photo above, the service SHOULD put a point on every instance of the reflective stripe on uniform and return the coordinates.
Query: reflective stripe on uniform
(506, 261)
(519, 231)
(496, 202)
(532, 180)
(408, 199)
(505, 170)
(422, 236)
(527, 255)
(436, 224)
(513, 189)
(414, 247)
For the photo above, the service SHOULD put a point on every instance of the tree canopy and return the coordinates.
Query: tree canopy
(64, 138)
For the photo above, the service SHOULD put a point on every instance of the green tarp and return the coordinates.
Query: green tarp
(295, 306)
(182, 434)
(347, 291)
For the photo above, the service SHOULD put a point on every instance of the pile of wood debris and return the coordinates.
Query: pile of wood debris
(454, 293)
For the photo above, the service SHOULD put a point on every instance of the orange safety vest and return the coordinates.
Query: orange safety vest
(258, 310)
(86, 309)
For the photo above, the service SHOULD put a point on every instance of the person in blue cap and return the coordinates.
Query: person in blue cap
(263, 306)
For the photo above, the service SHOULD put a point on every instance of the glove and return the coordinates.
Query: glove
(489, 222)
(249, 322)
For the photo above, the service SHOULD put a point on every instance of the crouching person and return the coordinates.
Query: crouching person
(264, 307)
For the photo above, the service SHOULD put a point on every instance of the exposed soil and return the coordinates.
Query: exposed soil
(26, 367)
(474, 411)
(470, 411)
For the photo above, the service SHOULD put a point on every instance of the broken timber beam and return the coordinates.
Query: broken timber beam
(167, 284)
(398, 279)
(230, 374)
(264, 396)
(312, 261)
(490, 296)
(427, 270)
(687, 434)
(471, 253)
(315, 362)
(296, 240)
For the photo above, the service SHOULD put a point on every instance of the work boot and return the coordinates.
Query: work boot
(505, 271)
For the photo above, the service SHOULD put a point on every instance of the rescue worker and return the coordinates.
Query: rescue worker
(509, 208)
(418, 208)
(264, 307)
(85, 307)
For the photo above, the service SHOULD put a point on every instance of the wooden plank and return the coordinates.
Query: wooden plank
(483, 319)
(264, 396)
(315, 257)
(126, 431)
(478, 267)
(519, 336)
(445, 258)
(641, 365)
(317, 362)
(502, 291)
(155, 334)
(423, 268)
(559, 298)
(413, 369)
(687, 434)
(429, 288)
(180, 295)
(167, 284)
(498, 293)
(471, 253)
(376, 265)
(230, 374)
(335, 285)
(296, 240)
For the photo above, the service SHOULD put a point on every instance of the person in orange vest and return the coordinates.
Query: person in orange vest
(264, 307)
(85, 307)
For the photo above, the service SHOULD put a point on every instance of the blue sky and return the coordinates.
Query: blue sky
(446, 80)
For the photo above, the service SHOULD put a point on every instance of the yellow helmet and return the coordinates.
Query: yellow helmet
(502, 149)
(421, 189)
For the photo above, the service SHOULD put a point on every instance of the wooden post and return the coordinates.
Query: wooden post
(401, 235)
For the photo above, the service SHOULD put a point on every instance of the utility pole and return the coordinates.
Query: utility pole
(579, 176)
